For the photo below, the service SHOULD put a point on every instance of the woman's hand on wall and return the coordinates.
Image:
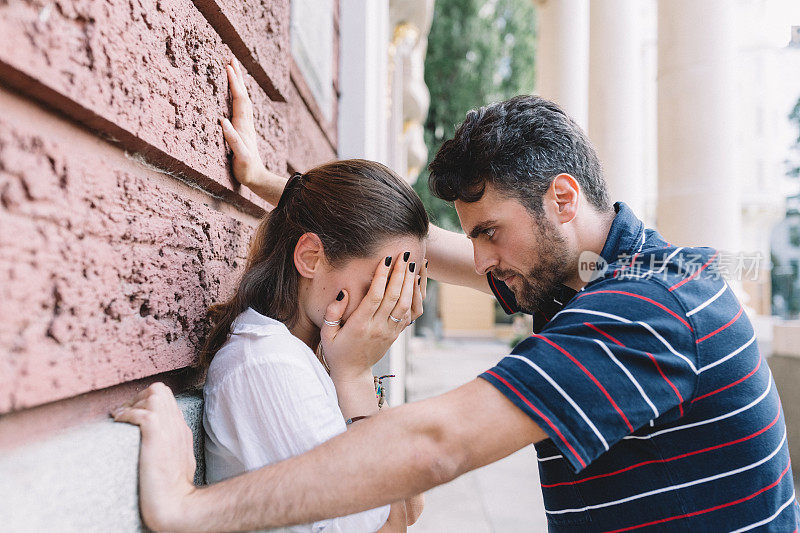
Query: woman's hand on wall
(240, 134)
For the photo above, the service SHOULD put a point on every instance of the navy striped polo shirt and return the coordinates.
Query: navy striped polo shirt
(661, 411)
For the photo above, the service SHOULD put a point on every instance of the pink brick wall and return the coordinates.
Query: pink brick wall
(119, 220)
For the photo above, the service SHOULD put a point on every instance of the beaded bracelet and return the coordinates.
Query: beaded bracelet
(380, 393)
(380, 390)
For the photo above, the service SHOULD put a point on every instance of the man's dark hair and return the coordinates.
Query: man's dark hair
(519, 146)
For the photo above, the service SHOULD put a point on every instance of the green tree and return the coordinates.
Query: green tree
(794, 163)
(479, 51)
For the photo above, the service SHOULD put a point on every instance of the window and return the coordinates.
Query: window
(312, 48)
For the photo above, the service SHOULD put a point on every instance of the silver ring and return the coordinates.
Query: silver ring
(331, 323)
(396, 319)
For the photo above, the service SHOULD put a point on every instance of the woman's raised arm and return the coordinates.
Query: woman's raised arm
(240, 133)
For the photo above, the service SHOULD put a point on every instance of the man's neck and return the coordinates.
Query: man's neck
(592, 232)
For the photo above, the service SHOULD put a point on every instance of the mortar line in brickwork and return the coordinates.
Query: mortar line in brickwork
(31, 423)
(230, 37)
(135, 148)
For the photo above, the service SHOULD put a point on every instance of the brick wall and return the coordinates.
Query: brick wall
(119, 219)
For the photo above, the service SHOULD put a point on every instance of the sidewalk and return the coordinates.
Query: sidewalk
(503, 497)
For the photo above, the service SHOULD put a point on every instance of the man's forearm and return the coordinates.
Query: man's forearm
(385, 459)
(450, 259)
(398, 453)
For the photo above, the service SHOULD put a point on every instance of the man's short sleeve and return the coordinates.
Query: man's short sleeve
(620, 355)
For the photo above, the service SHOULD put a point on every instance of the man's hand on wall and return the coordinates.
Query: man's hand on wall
(166, 458)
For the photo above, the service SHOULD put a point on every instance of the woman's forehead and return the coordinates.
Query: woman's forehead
(394, 248)
(398, 245)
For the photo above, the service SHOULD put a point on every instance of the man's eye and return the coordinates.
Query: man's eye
(490, 232)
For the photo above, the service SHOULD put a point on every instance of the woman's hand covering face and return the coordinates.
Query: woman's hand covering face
(396, 292)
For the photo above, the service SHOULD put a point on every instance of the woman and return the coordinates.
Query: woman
(284, 373)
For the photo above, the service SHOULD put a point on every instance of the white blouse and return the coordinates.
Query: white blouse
(268, 398)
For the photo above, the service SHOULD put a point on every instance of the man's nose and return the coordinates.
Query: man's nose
(484, 260)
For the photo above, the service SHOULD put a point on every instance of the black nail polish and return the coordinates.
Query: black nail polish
(387, 261)
(340, 296)
(419, 281)
(411, 266)
(405, 256)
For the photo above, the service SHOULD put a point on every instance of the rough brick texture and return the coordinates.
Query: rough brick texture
(308, 145)
(149, 73)
(119, 220)
(108, 266)
(258, 32)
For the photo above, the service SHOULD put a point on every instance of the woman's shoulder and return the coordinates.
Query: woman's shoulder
(258, 340)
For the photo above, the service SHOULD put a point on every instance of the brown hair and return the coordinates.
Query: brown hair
(352, 205)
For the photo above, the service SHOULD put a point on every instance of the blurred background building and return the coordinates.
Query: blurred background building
(687, 104)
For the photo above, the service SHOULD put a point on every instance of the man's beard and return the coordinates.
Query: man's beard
(535, 288)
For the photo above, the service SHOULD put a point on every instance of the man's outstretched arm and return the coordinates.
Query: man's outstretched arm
(394, 455)
(450, 260)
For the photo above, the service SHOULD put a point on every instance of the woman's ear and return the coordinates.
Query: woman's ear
(309, 255)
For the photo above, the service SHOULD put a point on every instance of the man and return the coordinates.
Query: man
(642, 385)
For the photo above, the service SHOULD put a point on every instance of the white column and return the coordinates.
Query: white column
(698, 191)
(562, 61)
(363, 79)
(616, 85)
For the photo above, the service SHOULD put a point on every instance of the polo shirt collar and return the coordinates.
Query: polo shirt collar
(626, 235)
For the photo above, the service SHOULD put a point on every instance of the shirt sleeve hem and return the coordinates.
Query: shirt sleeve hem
(570, 446)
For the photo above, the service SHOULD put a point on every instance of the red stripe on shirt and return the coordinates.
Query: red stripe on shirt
(731, 384)
(715, 508)
(645, 298)
(603, 333)
(695, 274)
(497, 293)
(656, 363)
(732, 320)
(586, 371)
(538, 412)
(675, 458)
(623, 267)
(678, 394)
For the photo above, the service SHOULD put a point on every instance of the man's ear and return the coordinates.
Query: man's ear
(564, 193)
(309, 255)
